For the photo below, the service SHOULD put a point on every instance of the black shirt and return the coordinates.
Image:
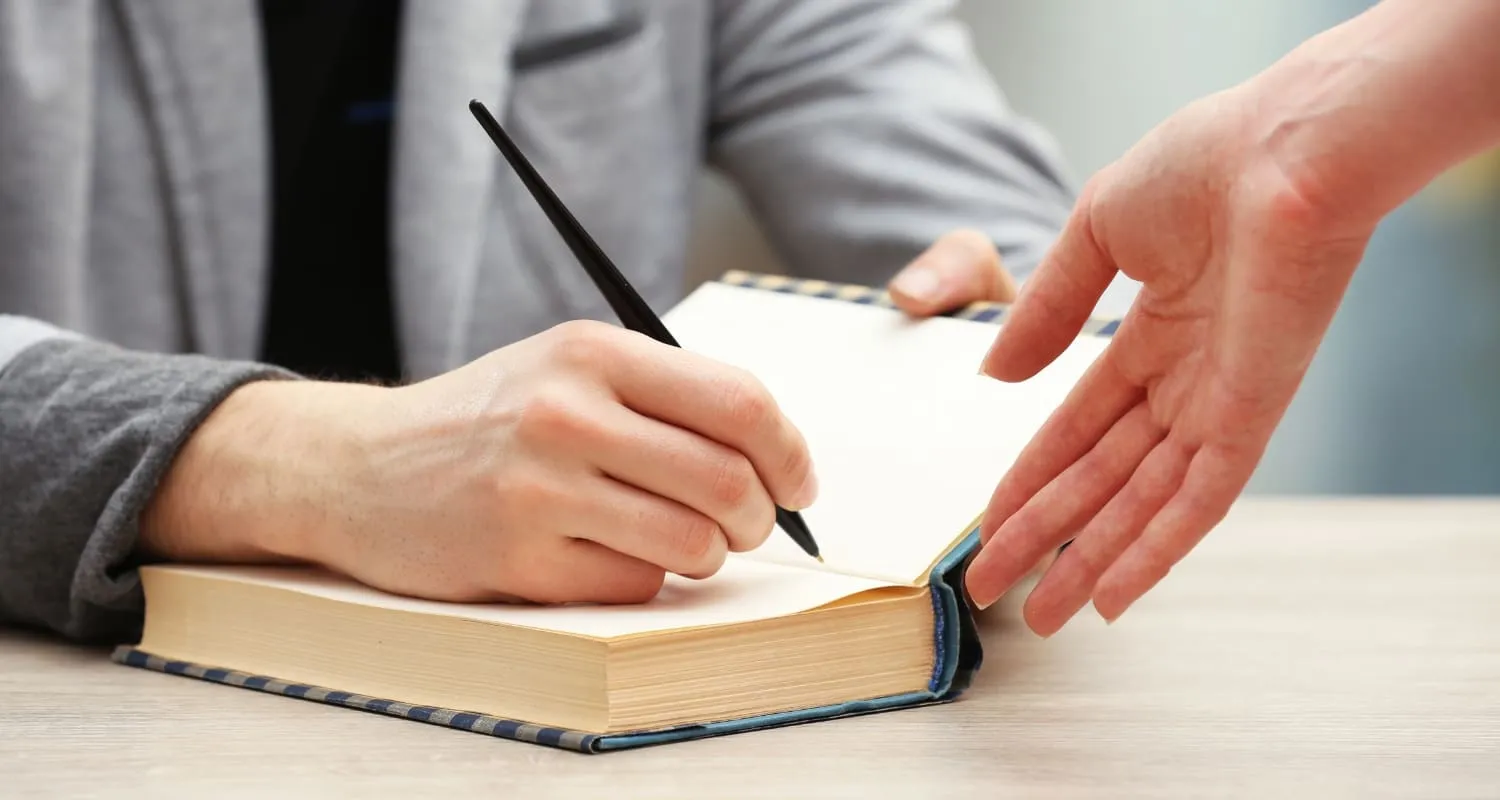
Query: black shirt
(331, 67)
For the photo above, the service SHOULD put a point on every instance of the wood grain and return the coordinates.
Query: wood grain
(1328, 648)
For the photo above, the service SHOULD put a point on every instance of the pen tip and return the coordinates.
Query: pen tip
(820, 559)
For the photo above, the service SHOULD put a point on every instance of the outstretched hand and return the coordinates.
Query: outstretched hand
(1241, 272)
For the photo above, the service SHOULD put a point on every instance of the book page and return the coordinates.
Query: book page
(907, 439)
(743, 591)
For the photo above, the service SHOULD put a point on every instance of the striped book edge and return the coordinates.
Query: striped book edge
(868, 296)
(461, 720)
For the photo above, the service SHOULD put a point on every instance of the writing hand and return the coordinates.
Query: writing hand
(582, 464)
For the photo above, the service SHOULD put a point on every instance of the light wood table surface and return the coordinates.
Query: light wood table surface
(1308, 648)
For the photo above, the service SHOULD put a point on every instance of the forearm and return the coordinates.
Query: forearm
(246, 487)
(88, 431)
(1363, 116)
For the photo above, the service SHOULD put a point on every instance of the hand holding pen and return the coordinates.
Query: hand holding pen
(633, 311)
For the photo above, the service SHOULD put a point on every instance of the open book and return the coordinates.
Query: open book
(908, 442)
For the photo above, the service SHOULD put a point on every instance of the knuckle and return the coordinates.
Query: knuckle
(549, 417)
(733, 481)
(746, 403)
(585, 344)
(696, 539)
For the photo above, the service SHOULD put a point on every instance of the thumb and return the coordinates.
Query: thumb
(1055, 302)
(960, 268)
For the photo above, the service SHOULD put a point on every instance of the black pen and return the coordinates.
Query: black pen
(632, 309)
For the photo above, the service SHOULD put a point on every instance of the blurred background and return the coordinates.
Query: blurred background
(1404, 396)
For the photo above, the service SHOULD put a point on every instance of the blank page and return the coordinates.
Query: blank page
(907, 439)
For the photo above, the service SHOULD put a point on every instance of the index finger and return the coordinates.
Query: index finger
(1055, 302)
(722, 403)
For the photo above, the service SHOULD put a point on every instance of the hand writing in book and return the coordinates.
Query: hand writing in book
(960, 268)
(582, 464)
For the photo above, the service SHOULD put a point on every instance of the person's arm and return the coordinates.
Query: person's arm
(862, 131)
(579, 465)
(1244, 216)
(1366, 114)
(86, 432)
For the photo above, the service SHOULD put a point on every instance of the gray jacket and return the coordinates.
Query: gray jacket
(133, 214)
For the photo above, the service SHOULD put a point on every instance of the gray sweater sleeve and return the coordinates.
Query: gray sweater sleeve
(860, 131)
(86, 432)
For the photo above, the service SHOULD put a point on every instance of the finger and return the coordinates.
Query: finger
(1093, 406)
(1066, 587)
(1046, 562)
(722, 403)
(960, 268)
(642, 525)
(582, 571)
(1056, 513)
(677, 464)
(1055, 302)
(1214, 479)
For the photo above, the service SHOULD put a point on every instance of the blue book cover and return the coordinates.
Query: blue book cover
(957, 651)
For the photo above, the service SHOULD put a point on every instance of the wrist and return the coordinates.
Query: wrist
(252, 483)
(1361, 117)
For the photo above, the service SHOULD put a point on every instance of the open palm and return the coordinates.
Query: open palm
(1241, 272)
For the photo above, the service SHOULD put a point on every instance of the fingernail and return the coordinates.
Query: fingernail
(984, 600)
(918, 283)
(997, 590)
(968, 590)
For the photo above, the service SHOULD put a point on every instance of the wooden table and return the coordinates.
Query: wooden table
(1308, 648)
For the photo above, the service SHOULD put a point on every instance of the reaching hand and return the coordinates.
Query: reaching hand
(1242, 270)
